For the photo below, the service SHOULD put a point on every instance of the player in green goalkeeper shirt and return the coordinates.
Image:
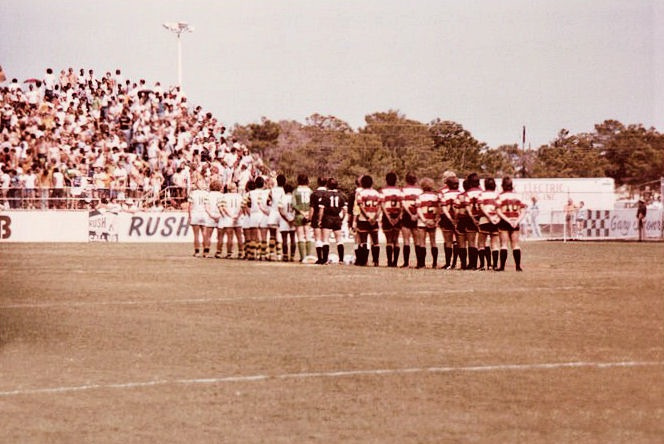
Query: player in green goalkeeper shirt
(301, 205)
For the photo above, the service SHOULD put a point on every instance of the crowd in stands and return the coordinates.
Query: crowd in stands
(75, 139)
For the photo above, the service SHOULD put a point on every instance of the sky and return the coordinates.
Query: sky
(492, 66)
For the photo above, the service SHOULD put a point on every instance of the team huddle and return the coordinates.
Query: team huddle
(272, 220)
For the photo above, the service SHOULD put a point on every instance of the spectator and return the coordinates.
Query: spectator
(534, 214)
(570, 214)
(641, 212)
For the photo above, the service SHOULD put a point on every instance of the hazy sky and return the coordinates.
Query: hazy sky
(492, 66)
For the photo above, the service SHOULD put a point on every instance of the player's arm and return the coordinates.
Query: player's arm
(209, 211)
(521, 215)
(486, 211)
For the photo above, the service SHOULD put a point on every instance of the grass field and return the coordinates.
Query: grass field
(127, 343)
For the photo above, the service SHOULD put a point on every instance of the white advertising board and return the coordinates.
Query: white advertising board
(43, 226)
(149, 227)
(623, 224)
(553, 194)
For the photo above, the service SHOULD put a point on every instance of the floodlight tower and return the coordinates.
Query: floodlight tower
(178, 28)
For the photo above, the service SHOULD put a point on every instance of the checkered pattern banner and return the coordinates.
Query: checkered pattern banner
(596, 223)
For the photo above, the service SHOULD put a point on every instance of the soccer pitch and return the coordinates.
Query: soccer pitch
(126, 342)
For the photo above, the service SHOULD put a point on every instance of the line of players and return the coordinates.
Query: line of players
(477, 225)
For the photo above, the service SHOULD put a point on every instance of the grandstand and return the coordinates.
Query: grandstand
(78, 140)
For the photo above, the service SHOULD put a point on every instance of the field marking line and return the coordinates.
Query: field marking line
(277, 298)
(336, 374)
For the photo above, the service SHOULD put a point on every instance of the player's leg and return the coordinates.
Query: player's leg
(463, 252)
(339, 239)
(504, 241)
(471, 238)
(325, 245)
(516, 249)
(420, 248)
(284, 246)
(362, 252)
(495, 249)
(406, 235)
(272, 244)
(481, 243)
(262, 233)
(448, 246)
(239, 237)
(197, 243)
(301, 241)
(220, 242)
(375, 246)
(433, 246)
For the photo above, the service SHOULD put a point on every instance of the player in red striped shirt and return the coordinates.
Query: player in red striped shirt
(369, 205)
(409, 192)
(489, 225)
(511, 210)
(468, 210)
(448, 221)
(391, 219)
(428, 213)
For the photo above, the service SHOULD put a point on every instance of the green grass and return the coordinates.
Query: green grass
(104, 316)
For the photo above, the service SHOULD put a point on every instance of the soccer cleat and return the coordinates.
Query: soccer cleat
(519, 269)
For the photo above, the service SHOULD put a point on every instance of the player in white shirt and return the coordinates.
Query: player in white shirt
(231, 210)
(276, 194)
(259, 208)
(215, 197)
(198, 215)
(286, 224)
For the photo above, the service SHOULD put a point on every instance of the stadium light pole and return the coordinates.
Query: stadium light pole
(178, 28)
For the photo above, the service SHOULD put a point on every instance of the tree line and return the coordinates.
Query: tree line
(327, 146)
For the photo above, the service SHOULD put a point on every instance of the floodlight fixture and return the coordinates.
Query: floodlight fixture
(178, 28)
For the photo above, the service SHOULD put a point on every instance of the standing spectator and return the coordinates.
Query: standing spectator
(58, 186)
(29, 185)
(5, 180)
(534, 213)
(641, 219)
(49, 84)
(570, 214)
(580, 219)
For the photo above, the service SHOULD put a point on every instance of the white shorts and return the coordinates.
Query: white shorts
(198, 219)
(210, 222)
(273, 218)
(258, 220)
(284, 225)
(244, 222)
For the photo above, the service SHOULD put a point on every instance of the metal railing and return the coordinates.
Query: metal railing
(81, 198)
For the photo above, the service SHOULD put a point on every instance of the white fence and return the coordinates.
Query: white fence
(171, 226)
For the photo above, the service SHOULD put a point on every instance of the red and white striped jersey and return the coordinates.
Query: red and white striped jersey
(488, 206)
(447, 200)
(428, 208)
(510, 204)
(369, 202)
(392, 202)
(468, 203)
(409, 194)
